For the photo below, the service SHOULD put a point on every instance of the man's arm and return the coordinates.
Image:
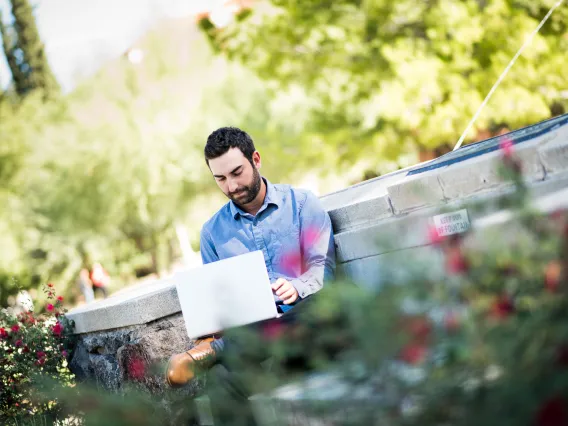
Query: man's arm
(317, 245)
(208, 252)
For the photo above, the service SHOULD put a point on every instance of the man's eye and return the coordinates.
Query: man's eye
(237, 174)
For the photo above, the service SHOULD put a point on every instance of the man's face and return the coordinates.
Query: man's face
(236, 176)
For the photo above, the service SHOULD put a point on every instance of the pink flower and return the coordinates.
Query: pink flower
(64, 354)
(3, 333)
(434, 236)
(60, 298)
(19, 343)
(502, 308)
(272, 330)
(57, 329)
(40, 354)
(49, 307)
(309, 237)
(506, 146)
(414, 353)
(552, 275)
(456, 263)
(291, 262)
(136, 368)
(15, 328)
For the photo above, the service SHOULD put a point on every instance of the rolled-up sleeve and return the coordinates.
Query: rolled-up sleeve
(318, 248)
(207, 248)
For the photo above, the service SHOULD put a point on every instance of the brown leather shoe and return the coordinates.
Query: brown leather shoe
(181, 367)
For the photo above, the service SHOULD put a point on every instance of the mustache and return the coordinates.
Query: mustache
(239, 191)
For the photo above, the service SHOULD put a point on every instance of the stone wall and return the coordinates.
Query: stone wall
(379, 226)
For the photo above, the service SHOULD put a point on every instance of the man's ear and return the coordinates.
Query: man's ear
(256, 159)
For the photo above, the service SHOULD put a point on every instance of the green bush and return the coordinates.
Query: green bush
(34, 349)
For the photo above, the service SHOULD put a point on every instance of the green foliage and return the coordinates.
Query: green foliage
(26, 54)
(392, 76)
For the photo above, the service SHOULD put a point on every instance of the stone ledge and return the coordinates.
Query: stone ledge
(479, 174)
(127, 309)
(411, 230)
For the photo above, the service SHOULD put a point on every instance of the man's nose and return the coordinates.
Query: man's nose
(233, 185)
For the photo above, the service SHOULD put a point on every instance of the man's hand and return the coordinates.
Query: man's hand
(285, 291)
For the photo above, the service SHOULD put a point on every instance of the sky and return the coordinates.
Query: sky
(81, 35)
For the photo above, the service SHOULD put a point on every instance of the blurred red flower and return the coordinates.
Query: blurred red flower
(49, 307)
(414, 353)
(310, 237)
(291, 262)
(502, 308)
(553, 413)
(456, 263)
(57, 329)
(506, 146)
(434, 236)
(15, 328)
(272, 330)
(552, 275)
(136, 368)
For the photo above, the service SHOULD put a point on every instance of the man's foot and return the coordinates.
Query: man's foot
(182, 367)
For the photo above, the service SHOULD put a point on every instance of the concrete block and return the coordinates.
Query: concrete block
(483, 173)
(370, 189)
(396, 267)
(383, 237)
(411, 230)
(419, 191)
(360, 214)
(554, 154)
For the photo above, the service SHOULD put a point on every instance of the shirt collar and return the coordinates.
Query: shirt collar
(272, 197)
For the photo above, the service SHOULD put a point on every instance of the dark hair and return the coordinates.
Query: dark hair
(225, 138)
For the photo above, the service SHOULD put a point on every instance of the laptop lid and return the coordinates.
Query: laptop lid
(224, 294)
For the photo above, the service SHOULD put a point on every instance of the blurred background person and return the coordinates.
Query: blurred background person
(86, 285)
(100, 279)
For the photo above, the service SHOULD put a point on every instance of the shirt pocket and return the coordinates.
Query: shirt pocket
(285, 248)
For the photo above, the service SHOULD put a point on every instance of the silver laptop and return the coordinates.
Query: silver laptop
(224, 294)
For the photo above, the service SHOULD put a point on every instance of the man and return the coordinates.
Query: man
(288, 225)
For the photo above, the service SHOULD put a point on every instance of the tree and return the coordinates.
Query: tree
(25, 53)
(390, 77)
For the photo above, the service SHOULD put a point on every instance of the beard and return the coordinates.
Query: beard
(248, 193)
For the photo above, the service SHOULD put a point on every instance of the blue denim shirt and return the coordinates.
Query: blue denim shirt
(291, 228)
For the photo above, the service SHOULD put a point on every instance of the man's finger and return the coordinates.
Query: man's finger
(279, 282)
(288, 293)
(291, 299)
(283, 290)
